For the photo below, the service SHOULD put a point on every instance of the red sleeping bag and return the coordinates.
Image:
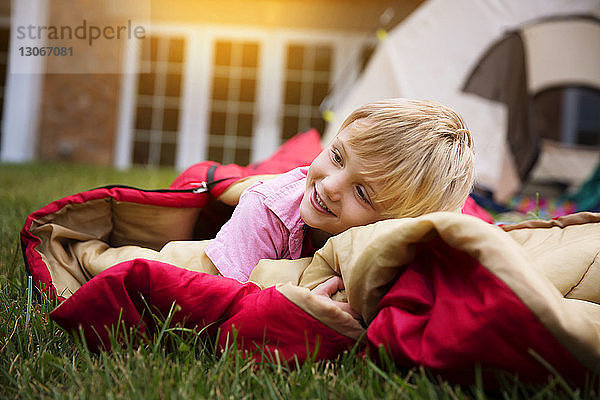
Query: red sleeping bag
(436, 291)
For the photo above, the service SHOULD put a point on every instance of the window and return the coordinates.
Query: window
(232, 101)
(158, 99)
(568, 114)
(307, 78)
(226, 94)
(585, 105)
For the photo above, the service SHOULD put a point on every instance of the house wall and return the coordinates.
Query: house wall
(79, 111)
(78, 117)
(352, 15)
(5, 8)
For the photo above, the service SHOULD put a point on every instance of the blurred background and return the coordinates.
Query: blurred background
(232, 80)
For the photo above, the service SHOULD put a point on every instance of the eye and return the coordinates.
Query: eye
(362, 194)
(336, 156)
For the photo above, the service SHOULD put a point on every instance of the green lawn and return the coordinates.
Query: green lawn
(39, 360)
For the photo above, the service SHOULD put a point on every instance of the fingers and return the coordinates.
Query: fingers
(330, 286)
(326, 289)
(338, 282)
(346, 307)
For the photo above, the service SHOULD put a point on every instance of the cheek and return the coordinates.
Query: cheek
(318, 165)
(357, 216)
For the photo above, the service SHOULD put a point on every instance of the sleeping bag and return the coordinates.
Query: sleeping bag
(447, 291)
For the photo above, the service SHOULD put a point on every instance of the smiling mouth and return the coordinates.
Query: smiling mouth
(320, 205)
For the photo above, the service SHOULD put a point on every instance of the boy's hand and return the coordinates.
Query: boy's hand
(326, 289)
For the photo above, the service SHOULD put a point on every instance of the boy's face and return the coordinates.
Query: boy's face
(337, 196)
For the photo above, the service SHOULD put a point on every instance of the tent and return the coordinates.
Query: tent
(440, 52)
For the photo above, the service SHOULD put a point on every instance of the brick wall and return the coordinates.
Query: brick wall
(79, 117)
(4, 8)
(79, 111)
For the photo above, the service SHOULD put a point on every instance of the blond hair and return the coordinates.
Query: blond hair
(418, 152)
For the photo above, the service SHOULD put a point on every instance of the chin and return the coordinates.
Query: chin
(303, 208)
(309, 219)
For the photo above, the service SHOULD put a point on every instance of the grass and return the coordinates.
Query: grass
(39, 360)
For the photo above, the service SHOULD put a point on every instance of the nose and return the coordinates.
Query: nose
(332, 186)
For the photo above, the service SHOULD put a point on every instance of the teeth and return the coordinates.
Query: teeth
(320, 202)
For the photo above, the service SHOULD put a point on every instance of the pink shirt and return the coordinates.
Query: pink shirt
(266, 224)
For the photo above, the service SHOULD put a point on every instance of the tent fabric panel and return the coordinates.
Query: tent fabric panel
(563, 52)
(501, 75)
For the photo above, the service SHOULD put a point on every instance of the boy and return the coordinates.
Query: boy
(391, 159)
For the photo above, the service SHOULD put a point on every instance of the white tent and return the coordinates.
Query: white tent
(432, 53)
